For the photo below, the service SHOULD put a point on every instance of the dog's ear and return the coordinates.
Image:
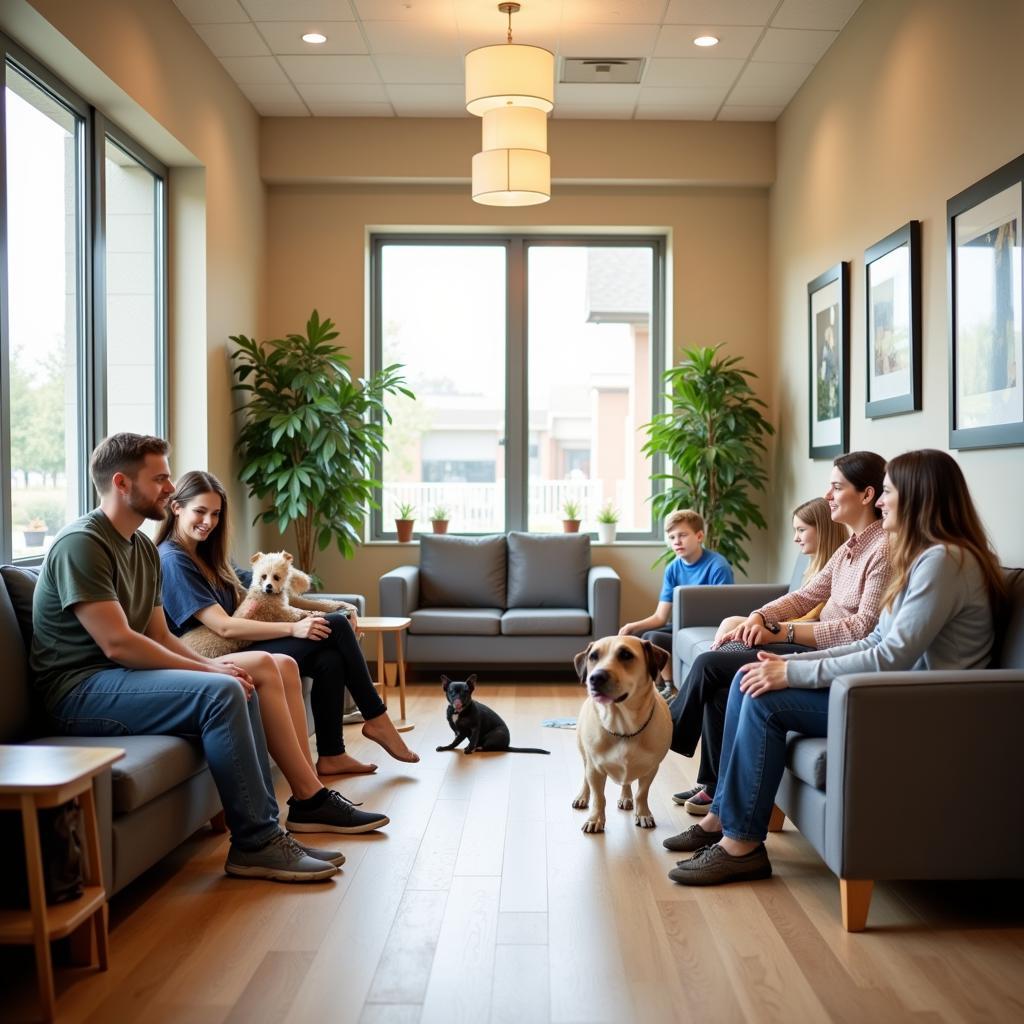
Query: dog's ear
(471, 682)
(444, 683)
(655, 657)
(287, 557)
(580, 662)
(298, 581)
(255, 558)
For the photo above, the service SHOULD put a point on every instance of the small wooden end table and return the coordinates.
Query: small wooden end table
(32, 777)
(389, 624)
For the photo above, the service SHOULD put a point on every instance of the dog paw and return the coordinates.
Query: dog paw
(581, 803)
(439, 749)
(592, 825)
(643, 821)
(625, 803)
(467, 751)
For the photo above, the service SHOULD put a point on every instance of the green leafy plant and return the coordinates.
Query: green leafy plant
(311, 435)
(713, 437)
(404, 510)
(571, 509)
(440, 514)
(608, 513)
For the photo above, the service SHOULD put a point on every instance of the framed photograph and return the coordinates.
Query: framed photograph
(986, 392)
(892, 269)
(828, 304)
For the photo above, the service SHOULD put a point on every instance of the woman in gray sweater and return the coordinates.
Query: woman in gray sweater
(938, 613)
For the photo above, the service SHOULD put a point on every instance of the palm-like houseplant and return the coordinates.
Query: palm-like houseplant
(311, 435)
(712, 435)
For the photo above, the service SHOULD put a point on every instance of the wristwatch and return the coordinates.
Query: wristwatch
(772, 627)
(789, 633)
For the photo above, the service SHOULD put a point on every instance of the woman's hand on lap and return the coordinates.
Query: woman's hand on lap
(313, 627)
(764, 675)
(225, 667)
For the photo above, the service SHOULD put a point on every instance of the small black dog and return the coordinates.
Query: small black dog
(482, 725)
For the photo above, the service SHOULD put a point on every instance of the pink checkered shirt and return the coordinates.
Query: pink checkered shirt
(851, 585)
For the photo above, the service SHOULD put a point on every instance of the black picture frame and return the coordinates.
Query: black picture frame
(986, 357)
(892, 324)
(828, 363)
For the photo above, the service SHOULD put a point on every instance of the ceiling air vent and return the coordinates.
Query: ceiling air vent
(613, 70)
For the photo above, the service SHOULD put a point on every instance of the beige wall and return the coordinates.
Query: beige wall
(915, 101)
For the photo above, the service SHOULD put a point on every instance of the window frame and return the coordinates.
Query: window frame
(516, 440)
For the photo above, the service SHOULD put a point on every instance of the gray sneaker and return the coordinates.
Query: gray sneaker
(335, 857)
(281, 860)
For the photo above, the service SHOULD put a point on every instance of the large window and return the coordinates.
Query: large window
(82, 299)
(534, 362)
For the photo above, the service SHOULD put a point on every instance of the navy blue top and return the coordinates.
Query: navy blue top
(711, 567)
(187, 591)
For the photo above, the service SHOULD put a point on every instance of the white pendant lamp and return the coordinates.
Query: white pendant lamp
(512, 88)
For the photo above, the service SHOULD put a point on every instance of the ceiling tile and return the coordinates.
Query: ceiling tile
(286, 37)
(211, 12)
(734, 42)
(274, 109)
(607, 40)
(427, 100)
(279, 92)
(232, 40)
(794, 46)
(721, 12)
(609, 113)
(681, 97)
(413, 70)
(481, 24)
(413, 37)
(299, 10)
(825, 14)
(336, 109)
(437, 11)
(580, 95)
(736, 113)
(340, 92)
(329, 69)
(673, 71)
(768, 84)
(257, 70)
(695, 113)
(636, 12)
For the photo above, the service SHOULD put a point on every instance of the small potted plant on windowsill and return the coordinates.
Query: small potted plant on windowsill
(439, 519)
(607, 518)
(404, 521)
(571, 517)
(35, 533)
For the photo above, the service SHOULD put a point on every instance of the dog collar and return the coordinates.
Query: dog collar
(630, 735)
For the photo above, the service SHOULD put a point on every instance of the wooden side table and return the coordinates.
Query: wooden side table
(32, 777)
(389, 624)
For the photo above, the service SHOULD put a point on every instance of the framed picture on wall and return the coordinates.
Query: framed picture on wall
(986, 279)
(892, 270)
(828, 304)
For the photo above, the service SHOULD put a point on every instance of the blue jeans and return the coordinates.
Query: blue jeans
(195, 705)
(754, 753)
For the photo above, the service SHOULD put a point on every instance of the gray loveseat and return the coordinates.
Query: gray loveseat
(524, 599)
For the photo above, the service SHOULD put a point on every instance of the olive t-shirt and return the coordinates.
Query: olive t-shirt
(89, 561)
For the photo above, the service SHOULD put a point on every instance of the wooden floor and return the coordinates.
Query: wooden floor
(483, 901)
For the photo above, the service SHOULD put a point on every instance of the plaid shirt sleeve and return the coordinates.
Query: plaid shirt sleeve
(856, 627)
(799, 602)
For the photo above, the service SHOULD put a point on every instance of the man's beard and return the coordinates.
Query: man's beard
(141, 507)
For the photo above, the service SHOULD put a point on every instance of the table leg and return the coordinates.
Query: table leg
(37, 901)
(95, 875)
(382, 672)
(402, 725)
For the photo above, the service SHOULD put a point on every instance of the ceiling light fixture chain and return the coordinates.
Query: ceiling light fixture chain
(509, 9)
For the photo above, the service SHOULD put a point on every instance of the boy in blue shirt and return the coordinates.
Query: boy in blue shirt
(692, 566)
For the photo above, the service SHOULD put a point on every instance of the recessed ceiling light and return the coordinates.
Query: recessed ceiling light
(706, 41)
(319, 37)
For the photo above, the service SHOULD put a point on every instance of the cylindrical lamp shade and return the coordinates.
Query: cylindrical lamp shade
(511, 177)
(509, 75)
(515, 128)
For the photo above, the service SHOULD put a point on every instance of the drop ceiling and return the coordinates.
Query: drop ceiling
(404, 58)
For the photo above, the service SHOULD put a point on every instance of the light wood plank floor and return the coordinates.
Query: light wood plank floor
(483, 901)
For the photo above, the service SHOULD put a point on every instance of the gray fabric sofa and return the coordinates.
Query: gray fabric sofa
(523, 599)
(930, 742)
(698, 611)
(151, 800)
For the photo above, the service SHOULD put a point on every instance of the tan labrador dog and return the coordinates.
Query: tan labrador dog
(624, 727)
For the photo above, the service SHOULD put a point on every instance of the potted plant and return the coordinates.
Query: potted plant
(713, 436)
(439, 519)
(570, 516)
(404, 521)
(35, 533)
(311, 435)
(607, 518)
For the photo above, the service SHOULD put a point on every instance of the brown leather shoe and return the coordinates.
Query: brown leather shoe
(690, 840)
(713, 866)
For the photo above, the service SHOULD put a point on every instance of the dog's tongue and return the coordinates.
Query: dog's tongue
(602, 698)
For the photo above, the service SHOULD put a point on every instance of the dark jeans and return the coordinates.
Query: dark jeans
(698, 711)
(754, 753)
(334, 664)
(661, 638)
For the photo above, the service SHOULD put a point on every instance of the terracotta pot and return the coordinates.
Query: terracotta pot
(439, 525)
(403, 527)
(571, 525)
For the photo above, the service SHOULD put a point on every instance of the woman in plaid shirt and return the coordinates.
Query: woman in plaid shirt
(851, 585)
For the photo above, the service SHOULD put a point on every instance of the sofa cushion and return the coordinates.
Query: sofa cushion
(805, 758)
(548, 570)
(21, 586)
(462, 572)
(151, 766)
(545, 622)
(690, 643)
(1010, 652)
(456, 621)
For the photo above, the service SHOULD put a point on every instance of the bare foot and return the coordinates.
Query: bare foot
(382, 730)
(343, 764)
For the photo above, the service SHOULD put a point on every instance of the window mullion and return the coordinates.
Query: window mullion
(516, 413)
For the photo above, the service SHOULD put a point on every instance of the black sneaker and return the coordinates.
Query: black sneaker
(334, 814)
(687, 794)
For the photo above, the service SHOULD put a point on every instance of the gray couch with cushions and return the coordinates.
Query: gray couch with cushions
(698, 611)
(151, 800)
(495, 600)
(927, 743)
